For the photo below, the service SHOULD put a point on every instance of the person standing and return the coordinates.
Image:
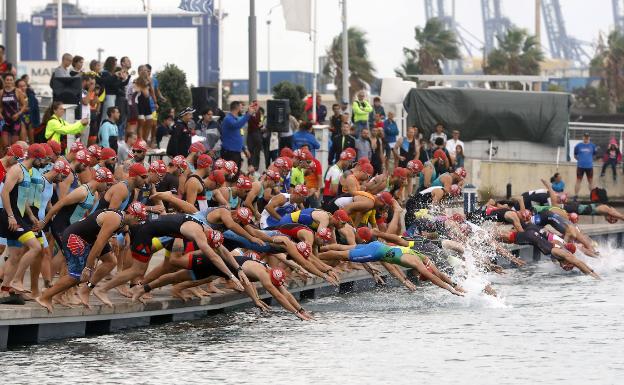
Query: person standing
(108, 130)
(254, 138)
(406, 148)
(378, 109)
(361, 110)
(63, 70)
(611, 158)
(363, 145)
(232, 131)
(341, 142)
(303, 137)
(57, 127)
(438, 133)
(13, 106)
(181, 135)
(5, 66)
(584, 154)
(451, 144)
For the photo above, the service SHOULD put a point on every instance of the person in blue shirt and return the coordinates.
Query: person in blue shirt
(303, 137)
(558, 185)
(231, 131)
(109, 133)
(584, 154)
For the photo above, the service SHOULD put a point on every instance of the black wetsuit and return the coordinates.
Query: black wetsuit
(532, 236)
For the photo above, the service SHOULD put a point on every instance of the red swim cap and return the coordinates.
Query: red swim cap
(304, 249)
(574, 217)
(278, 276)
(571, 247)
(365, 233)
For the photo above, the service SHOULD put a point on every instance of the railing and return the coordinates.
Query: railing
(601, 133)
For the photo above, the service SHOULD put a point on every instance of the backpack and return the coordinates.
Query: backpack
(599, 195)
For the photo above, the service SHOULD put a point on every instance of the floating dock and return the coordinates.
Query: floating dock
(31, 323)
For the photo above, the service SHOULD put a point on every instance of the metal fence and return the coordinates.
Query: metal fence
(601, 134)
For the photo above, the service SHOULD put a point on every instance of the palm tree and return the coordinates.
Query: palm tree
(609, 64)
(361, 69)
(518, 53)
(434, 45)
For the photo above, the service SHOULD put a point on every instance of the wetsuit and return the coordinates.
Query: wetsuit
(201, 267)
(535, 197)
(10, 107)
(78, 239)
(303, 217)
(292, 229)
(267, 220)
(582, 209)
(200, 201)
(20, 196)
(373, 252)
(532, 236)
(544, 218)
(71, 214)
(418, 201)
(102, 203)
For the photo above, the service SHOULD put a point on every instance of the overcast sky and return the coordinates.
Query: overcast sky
(388, 23)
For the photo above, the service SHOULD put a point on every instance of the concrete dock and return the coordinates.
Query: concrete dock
(31, 324)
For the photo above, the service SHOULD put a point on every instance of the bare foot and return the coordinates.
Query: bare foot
(102, 296)
(45, 303)
(230, 285)
(196, 292)
(177, 293)
(212, 288)
(83, 294)
(18, 287)
(137, 293)
(61, 300)
(123, 290)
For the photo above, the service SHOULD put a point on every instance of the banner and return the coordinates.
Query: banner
(298, 15)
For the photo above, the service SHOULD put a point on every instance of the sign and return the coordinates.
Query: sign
(39, 73)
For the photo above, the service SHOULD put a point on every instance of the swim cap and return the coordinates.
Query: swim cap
(180, 162)
(304, 249)
(611, 219)
(301, 190)
(365, 233)
(95, 151)
(103, 175)
(415, 166)
(283, 163)
(137, 169)
(278, 277)
(197, 147)
(204, 161)
(75, 147)
(512, 236)
(455, 190)
(243, 214)
(303, 155)
(158, 166)
(231, 167)
(348, 154)
(61, 167)
(16, 150)
(461, 172)
(82, 156)
(363, 160)
(137, 209)
(341, 216)
(400, 172)
(214, 237)
(574, 218)
(48, 150)
(286, 152)
(140, 145)
(571, 247)
(107, 153)
(243, 183)
(439, 154)
(386, 198)
(567, 266)
(525, 215)
(367, 168)
(219, 163)
(273, 175)
(36, 151)
(56, 146)
(325, 234)
(217, 176)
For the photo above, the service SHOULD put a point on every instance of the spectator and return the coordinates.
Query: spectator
(208, 127)
(13, 106)
(442, 167)
(313, 181)
(123, 151)
(303, 137)
(164, 129)
(452, 143)
(286, 138)
(390, 130)
(95, 66)
(377, 110)
(77, 66)
(321, 110)
(110, 82)
(63, 70)
(31, 119)
(89, 98)
(341, 141)
(121, 101)
(155, 97)
(438, 133)
(406, 148)
(108, 132)
(254, 138)
(344, 109)
(363, 145)
(459, 156)
(584, 154)
(231, 132)
(424, 150)
(56, 128)
(611, 158)
(5, 66)
(180, 139)
(558, 185)
(378, 146)
(335, 121)
(361, 110)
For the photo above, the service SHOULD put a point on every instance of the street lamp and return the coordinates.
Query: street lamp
(269, 48)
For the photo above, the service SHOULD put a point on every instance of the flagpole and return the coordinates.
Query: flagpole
(314, 66)
(253, 65)
(149, 31)
(220, 49)
(345, 54)
(59, 30)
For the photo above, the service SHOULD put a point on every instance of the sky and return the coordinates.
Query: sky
(389, 25)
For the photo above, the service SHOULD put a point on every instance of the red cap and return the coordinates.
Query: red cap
(180, 162)
(204, 161)
(440, 154)
(61, 167)
(48, 150)
(304, 249)
(303, 154)
(348, 154)
(137, 169)
(278, 276)
(214, 237)
(230, 167)
(219, 163)
(512, 236)
(325, 234)
(400, 172)
(365, 233)
(243, 183)
(104, 175)
(283, 163)
(16, 150)
(140, 144)
(525, 215)
(341, 216)
(574, 217)
(36, 151)
(455, 190)
(107, 153)
(273, 175)
(301, 190)
(56, 146)
(95, 151)
(363, 160)
(76, 146)
(367, 168)
(286, 153)
(571, 247)
(461, 172)
(197, 147)
(386, 198)
(243, 214)
(415, 166)
(158, 166)
(137, 209)
(457, 217)
(217, 176)
(82, 156)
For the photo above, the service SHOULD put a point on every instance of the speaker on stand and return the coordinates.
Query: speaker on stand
(277, 115)
(204, 98)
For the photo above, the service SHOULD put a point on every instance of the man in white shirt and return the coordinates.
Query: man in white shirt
(452, 143)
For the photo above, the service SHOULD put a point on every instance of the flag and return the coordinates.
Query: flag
(201, 6)
(298, 15)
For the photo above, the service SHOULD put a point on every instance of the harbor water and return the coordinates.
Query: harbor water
(548, 327)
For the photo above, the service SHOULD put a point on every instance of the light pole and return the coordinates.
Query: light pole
(269, 48)
(99, 51)
(345, 54)
(253, 68)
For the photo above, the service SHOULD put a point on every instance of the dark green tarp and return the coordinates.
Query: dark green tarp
(540, 117)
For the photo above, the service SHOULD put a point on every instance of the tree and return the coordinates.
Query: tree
(608, 63)
(172, 83)
(361, 69)
(434, 44)
(294, 93)
(518, 53)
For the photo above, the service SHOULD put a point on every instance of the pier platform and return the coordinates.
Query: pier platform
(31, 323)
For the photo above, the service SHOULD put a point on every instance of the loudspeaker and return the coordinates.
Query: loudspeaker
(67, 90)
(204, 98)
(277, 115)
